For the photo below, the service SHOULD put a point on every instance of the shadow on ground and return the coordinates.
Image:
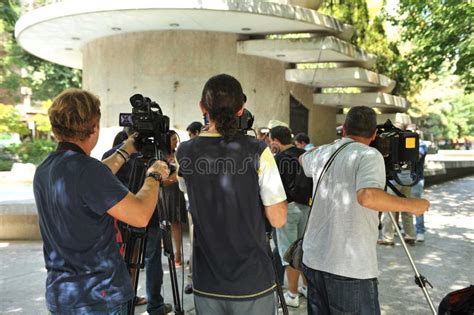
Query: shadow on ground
(446, 259)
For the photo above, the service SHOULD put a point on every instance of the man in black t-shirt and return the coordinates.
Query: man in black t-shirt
(228, 176)
(298, 208)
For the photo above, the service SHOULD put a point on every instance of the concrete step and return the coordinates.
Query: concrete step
(318, 49)
(19, 220)
(341, 77)
(377, 99)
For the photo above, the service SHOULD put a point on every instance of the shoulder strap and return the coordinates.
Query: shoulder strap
(325, 168)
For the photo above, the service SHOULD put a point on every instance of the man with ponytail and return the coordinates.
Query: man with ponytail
(234, 186)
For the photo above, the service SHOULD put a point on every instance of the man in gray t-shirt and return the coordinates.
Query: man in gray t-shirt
(340, 260)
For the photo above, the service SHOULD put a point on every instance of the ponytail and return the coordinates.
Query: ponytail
(223, 97)
(226, 123)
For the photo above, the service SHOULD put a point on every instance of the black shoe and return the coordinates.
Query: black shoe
(167, 308)
(188, 289)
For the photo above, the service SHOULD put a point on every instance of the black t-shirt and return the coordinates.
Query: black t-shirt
(289, 168)
(73, 193)
(231, 257)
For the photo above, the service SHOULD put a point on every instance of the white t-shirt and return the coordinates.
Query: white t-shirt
(341, 236)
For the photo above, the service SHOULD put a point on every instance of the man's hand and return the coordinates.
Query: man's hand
(160, 167)
(420, 206)
(129, 144)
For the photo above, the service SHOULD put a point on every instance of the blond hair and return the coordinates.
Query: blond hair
(74, 114)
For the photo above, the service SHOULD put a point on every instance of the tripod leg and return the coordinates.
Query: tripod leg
(419, 280)
(168, 251)
(279, 289)
(132, 259)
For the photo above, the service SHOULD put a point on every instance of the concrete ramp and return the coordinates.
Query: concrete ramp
(317, 49)
(379, 100)
(341, 77)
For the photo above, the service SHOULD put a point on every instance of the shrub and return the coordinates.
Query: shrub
(32, 151)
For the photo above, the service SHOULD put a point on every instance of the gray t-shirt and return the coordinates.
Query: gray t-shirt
(341, 236)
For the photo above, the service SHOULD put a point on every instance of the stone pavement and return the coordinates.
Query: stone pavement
(446, 259)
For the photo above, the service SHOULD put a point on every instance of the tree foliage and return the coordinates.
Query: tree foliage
(44, 78)
(10, 121)
(439, 32)
(442, 108)
(371, 36)
(42, 120)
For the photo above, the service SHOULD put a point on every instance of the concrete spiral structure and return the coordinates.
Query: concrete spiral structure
(167, 50)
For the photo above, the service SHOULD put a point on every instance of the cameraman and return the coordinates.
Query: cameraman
(77, 198)
(228, 176)
(340, 261)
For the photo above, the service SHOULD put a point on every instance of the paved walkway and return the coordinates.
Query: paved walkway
(446, 259)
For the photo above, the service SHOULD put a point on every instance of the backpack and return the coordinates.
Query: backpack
(303, 189)
(460, 302)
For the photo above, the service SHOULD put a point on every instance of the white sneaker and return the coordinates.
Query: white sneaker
(303, 290)
(420, 237)
(292, 301)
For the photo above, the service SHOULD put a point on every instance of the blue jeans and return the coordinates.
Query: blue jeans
(333, 294)
(417, 191)
(117, 310)
(153, 267)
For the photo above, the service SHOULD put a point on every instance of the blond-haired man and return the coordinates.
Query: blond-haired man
(77, 198)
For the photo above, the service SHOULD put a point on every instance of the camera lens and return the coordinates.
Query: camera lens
(137, 101)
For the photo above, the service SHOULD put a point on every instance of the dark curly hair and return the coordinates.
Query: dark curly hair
(222, 97)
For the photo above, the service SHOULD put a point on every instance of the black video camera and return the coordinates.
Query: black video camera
(400, 150)
(148, 120)
(245, 122)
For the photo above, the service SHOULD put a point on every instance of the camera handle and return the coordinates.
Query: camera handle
(420, 280)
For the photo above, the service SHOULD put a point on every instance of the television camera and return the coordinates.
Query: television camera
(400, 150)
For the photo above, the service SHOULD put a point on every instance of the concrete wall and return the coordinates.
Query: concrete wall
(171, 67)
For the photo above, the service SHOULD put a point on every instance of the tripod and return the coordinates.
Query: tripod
(420, 280)
(136, 238)
(279, 289)
(165, 226)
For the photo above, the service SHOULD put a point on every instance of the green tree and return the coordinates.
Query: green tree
(42, 121)
(439, 32)
(44, 78)
(10, 121)
(371, 36)
(442, 108)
